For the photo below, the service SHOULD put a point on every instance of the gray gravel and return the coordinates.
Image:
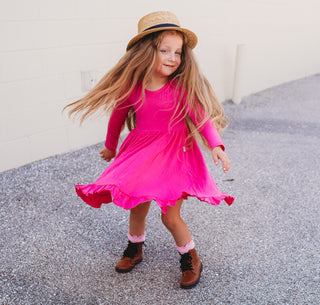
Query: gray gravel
(264, 249)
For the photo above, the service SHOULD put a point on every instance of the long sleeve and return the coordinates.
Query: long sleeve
(208, 130)
(116, 121)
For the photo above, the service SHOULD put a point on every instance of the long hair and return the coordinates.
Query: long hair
(135, 68)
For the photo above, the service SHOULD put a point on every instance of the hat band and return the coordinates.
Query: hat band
(162, 25)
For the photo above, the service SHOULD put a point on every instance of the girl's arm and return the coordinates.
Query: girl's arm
(116, 121)
(208, 129)
(210, 133)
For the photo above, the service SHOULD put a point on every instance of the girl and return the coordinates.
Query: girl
(158, 90)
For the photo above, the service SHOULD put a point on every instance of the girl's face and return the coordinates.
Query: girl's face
(168, 56)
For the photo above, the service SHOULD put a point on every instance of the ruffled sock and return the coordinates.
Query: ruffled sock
(137, 239)
(186, 248)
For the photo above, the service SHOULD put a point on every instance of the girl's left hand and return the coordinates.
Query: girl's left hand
(218, 153)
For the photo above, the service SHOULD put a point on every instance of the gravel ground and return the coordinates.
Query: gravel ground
(264, 249)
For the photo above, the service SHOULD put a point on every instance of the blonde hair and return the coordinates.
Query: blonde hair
(135, 67)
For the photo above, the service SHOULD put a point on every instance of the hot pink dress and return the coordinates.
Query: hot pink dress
(155, 161)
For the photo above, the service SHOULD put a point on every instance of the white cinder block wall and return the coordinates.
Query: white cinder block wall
(44, 46)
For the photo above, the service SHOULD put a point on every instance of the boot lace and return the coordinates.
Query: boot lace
(131, 250)
(186, 262)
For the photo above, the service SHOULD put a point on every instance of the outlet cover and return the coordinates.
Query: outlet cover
(88, 80)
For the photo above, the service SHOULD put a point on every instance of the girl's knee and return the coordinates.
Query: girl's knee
(140, 211)
(170, 221)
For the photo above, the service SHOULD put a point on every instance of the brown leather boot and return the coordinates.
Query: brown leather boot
(132, 256)
(191, 268)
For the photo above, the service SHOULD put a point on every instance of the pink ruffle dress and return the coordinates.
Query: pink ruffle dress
(155, 161)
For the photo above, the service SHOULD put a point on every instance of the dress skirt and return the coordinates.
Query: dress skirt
(154, 165)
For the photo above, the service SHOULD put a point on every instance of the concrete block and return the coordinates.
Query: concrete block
(4, 128)
(48, 143)
(33, 63)
(47, 91)
(16, 125)
(14, 153)
(91, 132)
(58, 9)
(72, 82)
(28, 64)
(94, 8)
(18, 10)
(12, 67)
(13, 96)
(29, 35)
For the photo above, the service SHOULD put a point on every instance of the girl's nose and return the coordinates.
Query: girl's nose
(172, 56)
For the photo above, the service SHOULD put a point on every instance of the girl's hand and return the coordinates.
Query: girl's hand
(218, 153)
(107, 154)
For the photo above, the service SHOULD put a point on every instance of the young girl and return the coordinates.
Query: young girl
(158, 90)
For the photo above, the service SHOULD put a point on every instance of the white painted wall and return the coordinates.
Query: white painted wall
(45, 44)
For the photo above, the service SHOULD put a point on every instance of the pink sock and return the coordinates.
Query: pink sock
(137, 239)
(186, 248)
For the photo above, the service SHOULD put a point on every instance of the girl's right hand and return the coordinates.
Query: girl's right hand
(107, 154)
(219, 154)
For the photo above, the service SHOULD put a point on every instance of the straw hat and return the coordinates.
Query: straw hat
(159, 21)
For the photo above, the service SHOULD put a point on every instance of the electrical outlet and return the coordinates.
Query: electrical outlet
(88, 80)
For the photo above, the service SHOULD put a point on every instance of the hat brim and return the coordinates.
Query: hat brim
(192, 38)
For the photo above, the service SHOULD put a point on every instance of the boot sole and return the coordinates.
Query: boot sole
(128, 270)
(194, 284)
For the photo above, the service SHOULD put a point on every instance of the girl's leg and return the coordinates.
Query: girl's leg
(190, 263)
(132, 255)
(137, 220)
(177, 227)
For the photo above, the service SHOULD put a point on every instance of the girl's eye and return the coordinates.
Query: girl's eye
(164, 51)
